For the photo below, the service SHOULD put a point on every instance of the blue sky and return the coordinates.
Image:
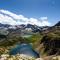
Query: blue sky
(34, 8)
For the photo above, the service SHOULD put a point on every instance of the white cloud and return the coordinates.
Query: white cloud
(8, 17)
(6, 20)
(43, 18)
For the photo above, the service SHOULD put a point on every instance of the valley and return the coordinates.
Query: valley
(44, 40)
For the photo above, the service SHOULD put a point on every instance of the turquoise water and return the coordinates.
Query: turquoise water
(24, 49)
(26, 36)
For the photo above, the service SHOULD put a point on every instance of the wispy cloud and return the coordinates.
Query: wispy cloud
(7, 17)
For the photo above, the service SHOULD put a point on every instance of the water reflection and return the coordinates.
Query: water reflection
(24, 49)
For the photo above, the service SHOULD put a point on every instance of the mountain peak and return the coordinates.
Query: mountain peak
(58, 24)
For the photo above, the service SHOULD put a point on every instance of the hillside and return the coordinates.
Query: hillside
(46, 42)
(58, 24)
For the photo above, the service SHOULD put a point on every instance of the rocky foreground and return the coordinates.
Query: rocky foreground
(25, 57)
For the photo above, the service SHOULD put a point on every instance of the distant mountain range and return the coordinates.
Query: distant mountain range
(27, 28)
(4, 25)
